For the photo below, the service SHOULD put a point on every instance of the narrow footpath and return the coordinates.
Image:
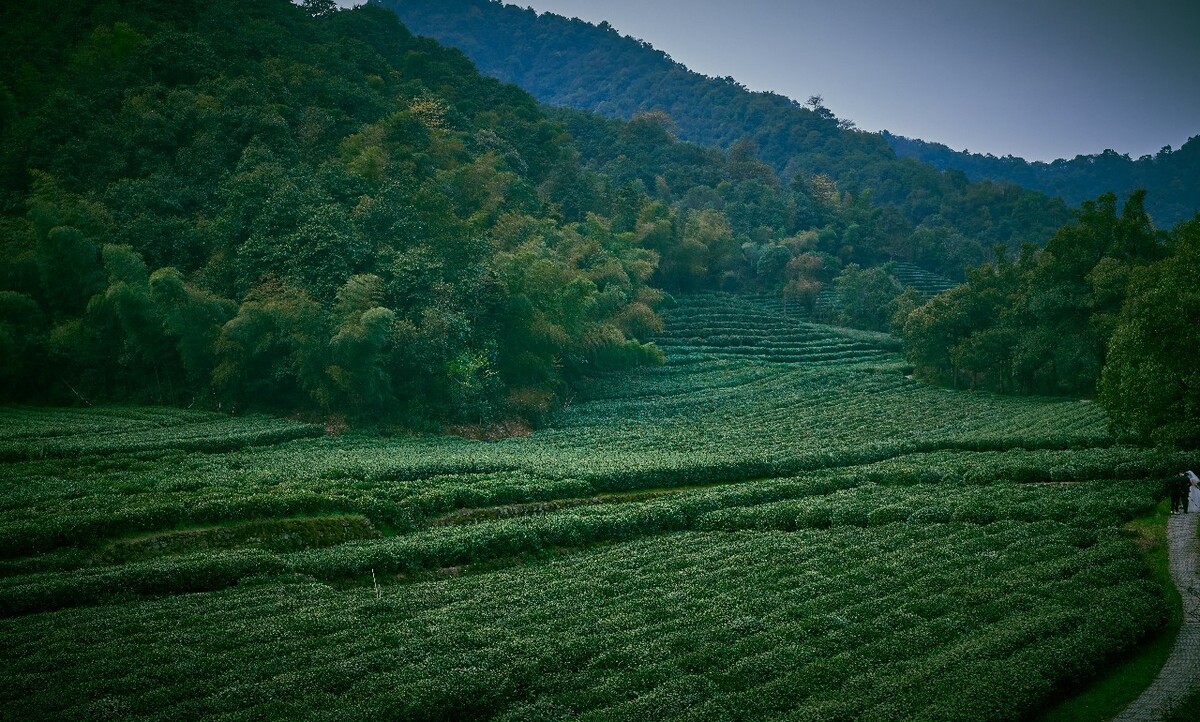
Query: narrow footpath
(1181, 674)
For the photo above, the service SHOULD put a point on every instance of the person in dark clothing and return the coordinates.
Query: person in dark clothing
(1179, 493)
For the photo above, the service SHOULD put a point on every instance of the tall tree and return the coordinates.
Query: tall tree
(1151, 383)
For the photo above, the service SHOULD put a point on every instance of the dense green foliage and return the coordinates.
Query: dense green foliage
(690, 626)
(347, 219)
(1109, 298)
(1172, 177)
(244, 202)
(1151, 383)
(816, 206)
(727, 220)
(728, 511)
(324, 213)
(925, 216)
(1041, 323)
(815, 534)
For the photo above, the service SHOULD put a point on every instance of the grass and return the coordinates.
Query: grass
(1122, 683)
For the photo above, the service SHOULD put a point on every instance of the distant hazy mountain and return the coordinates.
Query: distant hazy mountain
(568, 62)
(1172, 178)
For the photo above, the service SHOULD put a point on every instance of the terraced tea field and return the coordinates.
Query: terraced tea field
(776, 524)
(927, 283)
(718, 326)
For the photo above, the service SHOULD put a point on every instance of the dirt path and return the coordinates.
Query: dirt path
(1181, 674)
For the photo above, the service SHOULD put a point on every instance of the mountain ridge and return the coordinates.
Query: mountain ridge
(573, 63)
(1172, 176)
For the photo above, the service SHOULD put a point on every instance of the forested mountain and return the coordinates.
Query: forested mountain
(255, 204)
(1172, 177)
(263, 205)
(576, 64)
(1066, 319)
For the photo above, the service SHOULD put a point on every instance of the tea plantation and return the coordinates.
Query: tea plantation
(777, 524)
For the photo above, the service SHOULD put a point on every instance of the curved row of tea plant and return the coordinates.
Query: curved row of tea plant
(727, 326)
(814, 502)
(400, 484)
(806, 537)
(954, 621)
(38, 433)
(926, 283)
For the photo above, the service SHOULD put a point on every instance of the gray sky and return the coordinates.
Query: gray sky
(1041, 79)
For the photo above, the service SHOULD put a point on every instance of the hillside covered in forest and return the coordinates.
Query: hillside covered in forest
(572, 63)
(1172, 177)
(262, 205)
(298, 209)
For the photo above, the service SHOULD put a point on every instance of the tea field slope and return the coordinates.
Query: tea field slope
(775, 524)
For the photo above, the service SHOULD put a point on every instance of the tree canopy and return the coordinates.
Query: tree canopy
(1171, 177)
(1041, 323)
(932, 217)
(1108, 309)
(258, 204)
(1151, 383)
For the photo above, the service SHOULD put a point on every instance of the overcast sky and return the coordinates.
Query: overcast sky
(1041, 79)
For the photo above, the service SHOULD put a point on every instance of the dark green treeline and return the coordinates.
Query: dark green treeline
(1171, 177)
(938, 220)
(1110, 307)
(264, 205)
(254, 204)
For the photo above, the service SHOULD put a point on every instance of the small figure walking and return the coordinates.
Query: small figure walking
(1179, 490)
(1191, 502)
